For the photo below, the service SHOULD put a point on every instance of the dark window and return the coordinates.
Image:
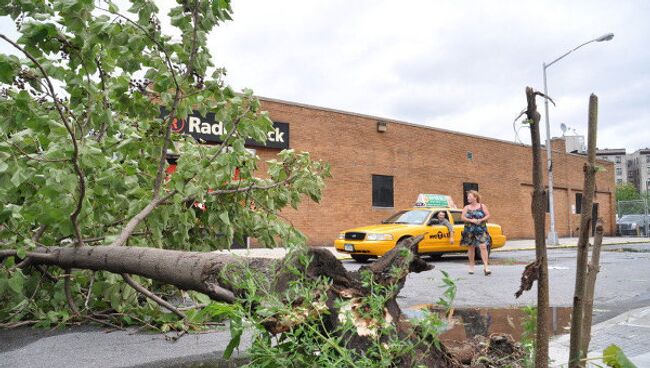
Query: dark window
(619, 171)
(466, 188)
(548, 203)
(578, 202)
(618, 159)
(382, 191)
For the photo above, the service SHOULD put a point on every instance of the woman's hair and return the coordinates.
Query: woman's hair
(475, 194)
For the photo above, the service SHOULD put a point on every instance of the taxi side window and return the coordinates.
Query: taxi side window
(434, 219)
(457, 220)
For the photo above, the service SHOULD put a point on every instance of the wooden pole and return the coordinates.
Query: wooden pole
(590, 287)
(575, 354)
(538, 207)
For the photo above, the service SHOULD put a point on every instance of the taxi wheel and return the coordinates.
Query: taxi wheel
(360, 258)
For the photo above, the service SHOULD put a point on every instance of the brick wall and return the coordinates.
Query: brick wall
(424, 160)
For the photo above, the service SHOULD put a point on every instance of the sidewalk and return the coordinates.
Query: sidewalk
(511, 245)
(629, 331)
(528, 244)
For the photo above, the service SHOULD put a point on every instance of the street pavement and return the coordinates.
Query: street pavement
(622, 314)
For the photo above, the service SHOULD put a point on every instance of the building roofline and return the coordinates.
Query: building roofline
(327, 109)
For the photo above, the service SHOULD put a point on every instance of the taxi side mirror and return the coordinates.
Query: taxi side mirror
(434, 221)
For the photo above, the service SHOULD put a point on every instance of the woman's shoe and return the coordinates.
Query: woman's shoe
(471, 272)
(487, 272)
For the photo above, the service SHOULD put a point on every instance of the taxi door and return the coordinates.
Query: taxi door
(437, 237)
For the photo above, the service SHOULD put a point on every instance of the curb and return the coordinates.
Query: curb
(567, 246)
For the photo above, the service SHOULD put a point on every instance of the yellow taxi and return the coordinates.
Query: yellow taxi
(373, 241)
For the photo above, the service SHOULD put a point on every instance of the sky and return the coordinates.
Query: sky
(453, 64)
(457, 65)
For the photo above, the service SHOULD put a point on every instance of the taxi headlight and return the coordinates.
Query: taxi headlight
(633, 225)
(341, 236)
(379, 237)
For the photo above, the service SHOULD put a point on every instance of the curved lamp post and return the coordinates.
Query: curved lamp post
(552, 235)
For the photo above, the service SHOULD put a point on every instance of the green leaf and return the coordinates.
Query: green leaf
(236, 331)
(8, 67)
(3, 166)
(224, 218)
(614, 357)
(16, 282)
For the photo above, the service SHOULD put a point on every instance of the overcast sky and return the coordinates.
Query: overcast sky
(457, 65)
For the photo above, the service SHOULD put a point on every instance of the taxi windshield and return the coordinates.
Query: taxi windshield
(412, 217)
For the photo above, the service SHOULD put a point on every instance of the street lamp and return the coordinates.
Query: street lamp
(552, 235)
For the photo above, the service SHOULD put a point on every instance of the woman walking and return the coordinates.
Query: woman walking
(475, 234)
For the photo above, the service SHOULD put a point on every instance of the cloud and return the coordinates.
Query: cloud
(456, 65)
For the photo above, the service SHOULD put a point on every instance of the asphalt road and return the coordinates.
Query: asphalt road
(623, 284)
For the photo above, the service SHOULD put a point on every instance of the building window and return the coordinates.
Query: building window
(466, 188)
(647, 158)
(618, 159)
(619, 171)
(619, 181)
(382, 191)
(578, 202)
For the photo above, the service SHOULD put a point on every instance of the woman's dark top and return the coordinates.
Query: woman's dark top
(473, 234)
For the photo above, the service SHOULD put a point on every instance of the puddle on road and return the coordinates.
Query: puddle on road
(469, 322)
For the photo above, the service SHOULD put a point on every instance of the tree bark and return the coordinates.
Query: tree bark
(590, 287)
(538, 208)
(575, 354)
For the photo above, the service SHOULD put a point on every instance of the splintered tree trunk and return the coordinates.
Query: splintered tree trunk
(215, 275)
(590, 287)
(539, 218)
(577, 317)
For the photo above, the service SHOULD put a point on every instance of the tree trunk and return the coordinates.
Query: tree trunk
(538, 208)
(590, 287)
(575, 354)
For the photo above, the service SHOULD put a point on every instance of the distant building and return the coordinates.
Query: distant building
(620, 160)
(638, 167)
(575, 143)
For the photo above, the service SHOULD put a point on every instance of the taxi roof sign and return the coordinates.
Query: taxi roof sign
(434, 200)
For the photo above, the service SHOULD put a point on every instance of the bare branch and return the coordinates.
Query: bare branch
(537, 93)
(128, 230)
(68, 292)
(144, 291)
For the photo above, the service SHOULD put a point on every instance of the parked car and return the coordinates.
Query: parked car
(633, 225)
(374, 241)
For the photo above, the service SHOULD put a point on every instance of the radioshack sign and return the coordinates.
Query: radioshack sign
(209, 130)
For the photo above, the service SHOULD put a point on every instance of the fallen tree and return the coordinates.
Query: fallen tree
(346, 308)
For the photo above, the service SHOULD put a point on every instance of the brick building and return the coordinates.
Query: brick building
(398, 160)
